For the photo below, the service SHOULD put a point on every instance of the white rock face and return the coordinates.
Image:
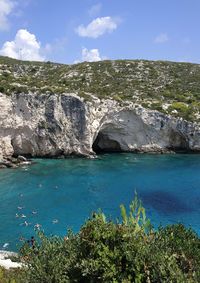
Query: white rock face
(7, 263)
(53, 125)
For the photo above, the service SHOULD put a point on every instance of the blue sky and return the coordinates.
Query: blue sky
(69, 31)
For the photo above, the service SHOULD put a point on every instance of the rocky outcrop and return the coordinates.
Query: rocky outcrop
(60, 125)
(6, 262)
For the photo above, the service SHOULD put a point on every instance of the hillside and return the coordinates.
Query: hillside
(172, 88)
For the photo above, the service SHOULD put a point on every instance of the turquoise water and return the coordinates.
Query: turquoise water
(65, 192)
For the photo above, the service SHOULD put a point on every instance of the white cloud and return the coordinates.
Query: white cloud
(6, 7)
(97, 27)
(25, 47)
(161, 38)
(95, 10)
(91, 55)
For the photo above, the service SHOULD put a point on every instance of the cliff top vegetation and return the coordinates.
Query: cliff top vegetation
(169, 87)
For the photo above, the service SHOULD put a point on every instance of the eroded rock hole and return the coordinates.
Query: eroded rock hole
(104, 143)
(178, 142)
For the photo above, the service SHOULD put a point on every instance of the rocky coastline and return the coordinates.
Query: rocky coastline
(52, 125)
(14, 162)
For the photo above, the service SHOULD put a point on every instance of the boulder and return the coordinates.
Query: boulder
(21, 158)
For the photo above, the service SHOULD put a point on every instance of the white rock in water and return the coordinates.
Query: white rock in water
(21, 158)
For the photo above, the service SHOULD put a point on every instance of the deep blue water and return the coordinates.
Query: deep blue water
(69, 190)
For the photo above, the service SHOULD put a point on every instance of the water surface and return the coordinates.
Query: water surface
(65, 192)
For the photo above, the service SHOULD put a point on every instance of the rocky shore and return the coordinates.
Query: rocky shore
(12, 162)
(52, 125)
(6, 260)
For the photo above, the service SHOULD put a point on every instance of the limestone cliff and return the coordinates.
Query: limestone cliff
(60, 125)
(49, 109)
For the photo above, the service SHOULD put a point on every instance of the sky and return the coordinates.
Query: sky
(71, 31)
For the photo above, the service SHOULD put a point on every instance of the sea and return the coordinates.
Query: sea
(56, 195)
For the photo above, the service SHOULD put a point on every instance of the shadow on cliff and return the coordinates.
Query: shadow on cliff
(103, 143)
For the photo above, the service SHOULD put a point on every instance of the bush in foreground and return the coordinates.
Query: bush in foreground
(11, 276)
(107, 251)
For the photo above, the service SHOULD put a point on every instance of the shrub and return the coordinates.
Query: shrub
(11, 276)
(183, 110)
(117, 98)
(2, 89)
(122, 251)
(157, 106)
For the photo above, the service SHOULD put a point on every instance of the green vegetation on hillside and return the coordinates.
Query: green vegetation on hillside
(107, 251)
(172, 88)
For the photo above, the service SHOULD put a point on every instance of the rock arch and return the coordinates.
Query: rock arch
(126, 131)
(105, 143)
